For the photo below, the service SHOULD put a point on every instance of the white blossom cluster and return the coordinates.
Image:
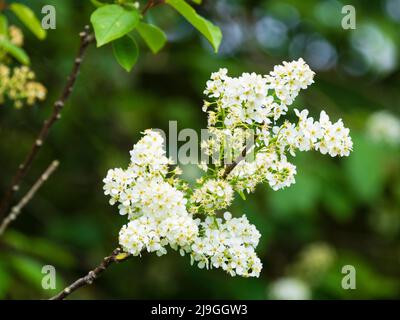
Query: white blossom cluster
(229, 244)
(156, 209)
(384, 126)
(164, 211)
(257, 102)
(17, 83)
(158, 215)
(250, 99)
(321, 135)
(288, 79)
(212, 195)
(267, 167)
(232, 140)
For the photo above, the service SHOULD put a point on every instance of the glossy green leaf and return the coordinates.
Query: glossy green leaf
(242, 195)
(15, 51)
(112, 22)
(206, 28)
(154, 37)
(28, 18)
(126, 52)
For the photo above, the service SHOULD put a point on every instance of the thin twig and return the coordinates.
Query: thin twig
(16, 210)
(115, 257)
(3, 5)
(86, 39)
(229, 168)
(151, 4)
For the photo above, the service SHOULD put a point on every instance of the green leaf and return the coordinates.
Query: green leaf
(197, 1)
(16, 52)
(241, 194)
(39, 247)
(211, 32)
(112, 22)
(28, 269)
(154, 37)
(28, 18)
(5, 279)
(3, 25)
(126, 52)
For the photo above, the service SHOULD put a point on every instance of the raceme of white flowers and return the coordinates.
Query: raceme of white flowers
(164, 211)
(228, 245)
(156, 209)
(258, 103)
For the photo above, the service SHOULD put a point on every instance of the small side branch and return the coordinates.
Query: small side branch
(116, 256)
(86, 39)
(151, 4)
(16, 210)
(3, 5)
(229, 168)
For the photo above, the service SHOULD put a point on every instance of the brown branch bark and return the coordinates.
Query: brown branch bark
(229, 168)
(3, 5)
(86, 39)
(16, 210)
(116, 256)
(151, 4)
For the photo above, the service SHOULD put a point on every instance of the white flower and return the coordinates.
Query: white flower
(228, 244)
(288, 79)
(212, 195)
(322, 135)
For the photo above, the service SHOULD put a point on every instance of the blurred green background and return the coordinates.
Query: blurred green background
(340, 212)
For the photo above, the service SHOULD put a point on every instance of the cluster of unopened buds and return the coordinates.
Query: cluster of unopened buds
(163, 211)
(18, 83)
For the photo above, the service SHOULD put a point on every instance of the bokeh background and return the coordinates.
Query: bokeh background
(340, 212)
